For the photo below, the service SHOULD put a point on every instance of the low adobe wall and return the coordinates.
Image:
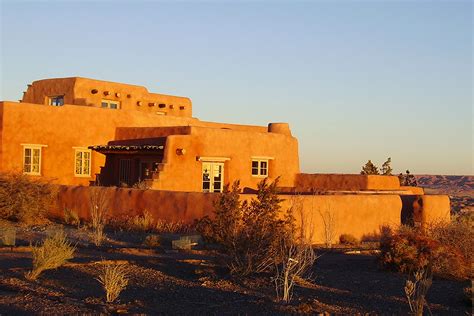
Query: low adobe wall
(124, 202)
(358, 215)
(423, 210)
(306, 182)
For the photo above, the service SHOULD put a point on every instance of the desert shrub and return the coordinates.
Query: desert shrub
(98, 211)
(25, 199)
(51, 254)
(114, 280)
(71, 217)
(416, 289)
(142, 222)
(172, 227)
(296, 255)
(249, 233)
(152, 241)
(410, 249)
(348, 239)
(328, 218)
(458, 237)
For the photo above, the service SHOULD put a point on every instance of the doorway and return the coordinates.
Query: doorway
(212, 176)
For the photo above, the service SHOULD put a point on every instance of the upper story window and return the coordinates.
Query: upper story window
(82, 162)
(32, 159)
(110, 104)
(260, 167)
(56, 100)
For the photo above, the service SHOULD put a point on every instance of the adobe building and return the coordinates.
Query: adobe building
(81, 132)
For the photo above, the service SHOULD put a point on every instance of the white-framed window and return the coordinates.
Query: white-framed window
(32, 159)
(110, 104)
(260, 167)
(212, 176)
(82, 162)
(57, 100)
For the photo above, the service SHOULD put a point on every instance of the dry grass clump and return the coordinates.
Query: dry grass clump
(51, 254)
(25, 199)
(71, 217)
(143, 222)
(348, 239)
(114, 280)
(170, 227)
(146, 223)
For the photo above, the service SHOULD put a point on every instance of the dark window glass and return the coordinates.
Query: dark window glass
(56, 101)
(255, 168)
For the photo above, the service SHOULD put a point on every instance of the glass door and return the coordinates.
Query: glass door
(212, 176)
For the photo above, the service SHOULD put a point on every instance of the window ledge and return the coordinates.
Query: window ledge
(32, 174)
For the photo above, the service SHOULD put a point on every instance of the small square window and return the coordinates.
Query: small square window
(56, 100)
(259, 168)
(110, 104)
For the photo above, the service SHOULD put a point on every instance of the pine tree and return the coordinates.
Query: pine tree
(369, 168)
(386, 168)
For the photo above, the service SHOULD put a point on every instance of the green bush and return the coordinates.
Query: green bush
(25, 199)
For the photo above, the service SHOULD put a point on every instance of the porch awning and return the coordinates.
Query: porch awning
(128, 149)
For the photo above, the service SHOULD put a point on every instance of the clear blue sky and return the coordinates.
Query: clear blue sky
(356, 80)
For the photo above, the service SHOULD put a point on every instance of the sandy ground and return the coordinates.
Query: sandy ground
(165, 281)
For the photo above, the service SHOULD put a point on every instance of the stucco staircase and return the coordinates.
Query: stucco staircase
(157, 177)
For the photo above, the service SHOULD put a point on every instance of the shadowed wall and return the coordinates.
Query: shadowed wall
(359, 215)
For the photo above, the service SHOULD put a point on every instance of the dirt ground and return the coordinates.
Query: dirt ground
(166, 281)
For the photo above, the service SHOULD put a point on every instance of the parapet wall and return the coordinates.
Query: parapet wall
(359, 215)
(306, 182)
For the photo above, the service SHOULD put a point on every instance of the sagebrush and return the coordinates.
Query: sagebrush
(51, 254)
(25, 199)
(249, 233)
(411, 249)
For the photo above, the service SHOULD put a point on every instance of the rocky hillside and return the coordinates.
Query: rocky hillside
(447, 184)
(459, 188)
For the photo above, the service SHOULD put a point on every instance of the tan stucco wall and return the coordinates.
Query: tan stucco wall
(77, 91)
(165, 205)
(436, 208)
(353, 182)
(61, 129)
(65, 127)
(184, 172)
(359, 215)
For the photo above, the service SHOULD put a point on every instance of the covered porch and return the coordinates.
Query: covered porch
(129, 164)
